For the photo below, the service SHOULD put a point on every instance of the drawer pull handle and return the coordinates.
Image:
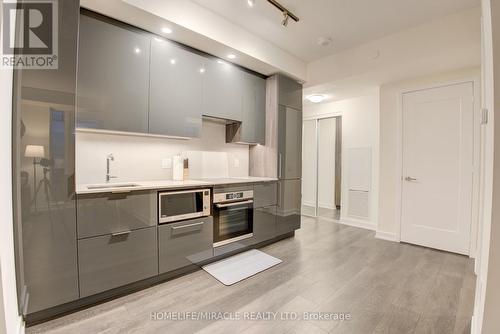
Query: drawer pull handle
(121, 233)
(188, 225)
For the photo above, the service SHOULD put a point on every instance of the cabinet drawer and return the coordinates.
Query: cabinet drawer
(108, 261)
(264, 224)
(100, 214)
(265, 194)
(184, 243)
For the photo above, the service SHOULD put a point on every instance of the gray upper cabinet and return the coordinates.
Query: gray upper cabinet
(289, 92)
(253, 126)
(176, 90)
(289, 143)
(113, 77)
(222, 90)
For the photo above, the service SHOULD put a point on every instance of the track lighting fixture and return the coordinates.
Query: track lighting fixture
(286, 13)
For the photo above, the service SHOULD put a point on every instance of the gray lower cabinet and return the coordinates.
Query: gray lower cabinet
(288, 212)
(289, 143)
(107, 213)
(176, 90)
(264, 224)
(108, 261)
(185, 243)
(265, 194)
(222, 90)
(113, 77)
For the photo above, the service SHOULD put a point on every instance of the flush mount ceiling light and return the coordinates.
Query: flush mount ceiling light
(316, 98)
(166, 30)
(231, 56)
(286, 13)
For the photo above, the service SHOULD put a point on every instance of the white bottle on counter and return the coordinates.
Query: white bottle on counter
(177, 168)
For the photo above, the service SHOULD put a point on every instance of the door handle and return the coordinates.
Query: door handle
(410, 179)
(279, 166)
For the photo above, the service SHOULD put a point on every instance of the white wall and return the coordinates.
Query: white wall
(139, 158)
(390, 141)
(13, 321)
(438, 46)
(360, 118)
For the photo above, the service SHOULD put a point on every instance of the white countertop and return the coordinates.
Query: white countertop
(165, 184)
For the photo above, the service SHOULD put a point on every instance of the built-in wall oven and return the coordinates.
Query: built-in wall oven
(233, 217)
(185, 204)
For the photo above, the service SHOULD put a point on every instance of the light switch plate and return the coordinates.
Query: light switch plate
(236, 163)
(166, 163)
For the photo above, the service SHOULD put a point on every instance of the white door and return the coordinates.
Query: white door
(437, 167)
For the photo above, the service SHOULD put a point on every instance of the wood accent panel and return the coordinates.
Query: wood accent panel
(263, 160)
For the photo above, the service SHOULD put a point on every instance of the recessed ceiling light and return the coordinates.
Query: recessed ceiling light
(137, 50)
(202, 70)
(172, 61)
(166, 30)
(221, 61)
(231, 56)
(251, 3)
(316, 98)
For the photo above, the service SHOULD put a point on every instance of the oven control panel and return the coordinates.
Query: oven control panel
(233, 196)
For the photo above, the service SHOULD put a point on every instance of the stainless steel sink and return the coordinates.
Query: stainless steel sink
(113, 185)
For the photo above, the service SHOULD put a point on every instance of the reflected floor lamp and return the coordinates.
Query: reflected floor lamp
(34, 151)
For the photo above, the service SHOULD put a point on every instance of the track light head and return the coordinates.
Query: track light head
(285, 19)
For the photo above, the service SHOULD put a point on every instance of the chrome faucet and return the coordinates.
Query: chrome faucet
(109, 158)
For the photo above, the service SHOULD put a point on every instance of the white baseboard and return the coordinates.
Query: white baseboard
(327, 206)
(386, 236)
(21, 327)
(366, 224)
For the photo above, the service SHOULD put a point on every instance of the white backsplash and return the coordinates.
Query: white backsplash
(140, 158)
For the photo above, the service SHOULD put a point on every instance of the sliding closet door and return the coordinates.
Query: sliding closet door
(326, 167)
(309, 167)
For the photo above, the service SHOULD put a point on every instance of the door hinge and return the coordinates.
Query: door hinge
(484, 116)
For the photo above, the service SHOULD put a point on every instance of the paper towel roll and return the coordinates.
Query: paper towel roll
(177, 168)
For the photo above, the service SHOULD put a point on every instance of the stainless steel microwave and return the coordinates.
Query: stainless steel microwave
(180, 205)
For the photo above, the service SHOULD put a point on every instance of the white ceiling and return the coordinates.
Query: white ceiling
(347, 22)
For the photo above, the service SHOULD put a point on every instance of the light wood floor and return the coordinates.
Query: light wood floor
(386, 287)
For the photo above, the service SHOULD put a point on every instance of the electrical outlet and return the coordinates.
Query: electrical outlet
(236, 163)
(166, 163)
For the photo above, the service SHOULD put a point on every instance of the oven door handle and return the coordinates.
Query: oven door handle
(233, 204)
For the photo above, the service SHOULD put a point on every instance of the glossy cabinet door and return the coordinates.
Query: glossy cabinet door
(99, 214)
(265, 194)
(253, 126)
(176, 90)
(289, 143)
(289, 199)
(222, 90)
(43, 150)
(111, 261)
(289, 92)
(113, 77)
(264, 224)
(185, 243)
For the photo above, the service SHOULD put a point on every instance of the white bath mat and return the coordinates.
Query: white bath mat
(238, 267)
